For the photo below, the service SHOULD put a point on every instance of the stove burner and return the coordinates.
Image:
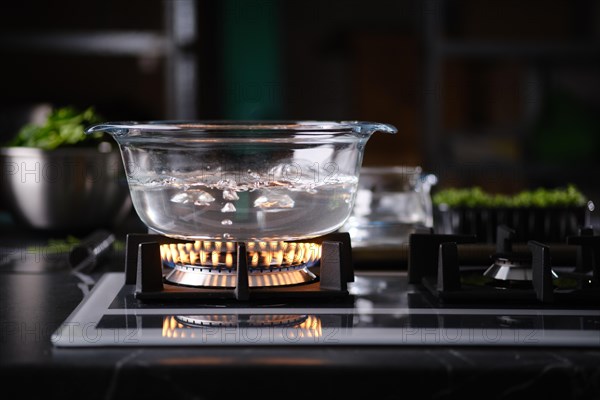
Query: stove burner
(508, 270)
(528, 276)
(163, 268)
(211, 264)
(189, 275)
(512, 269)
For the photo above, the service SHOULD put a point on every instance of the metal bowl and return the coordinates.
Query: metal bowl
(66, 189)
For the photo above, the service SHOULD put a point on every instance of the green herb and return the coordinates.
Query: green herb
(56, 246)
(63, 127)
(541, 197)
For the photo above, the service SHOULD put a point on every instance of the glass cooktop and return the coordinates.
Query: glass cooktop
(382, 309)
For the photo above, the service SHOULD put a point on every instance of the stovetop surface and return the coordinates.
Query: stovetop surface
(382, 309)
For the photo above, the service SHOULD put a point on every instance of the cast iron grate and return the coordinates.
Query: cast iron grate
(145, 272)
(435, 262)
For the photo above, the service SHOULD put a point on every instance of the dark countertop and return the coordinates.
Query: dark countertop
(35, 301)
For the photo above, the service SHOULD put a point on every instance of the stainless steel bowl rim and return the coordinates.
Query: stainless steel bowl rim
(60, 152)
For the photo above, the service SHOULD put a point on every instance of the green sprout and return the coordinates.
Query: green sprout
(540, 197)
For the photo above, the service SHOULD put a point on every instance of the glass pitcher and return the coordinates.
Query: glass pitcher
(391, 203)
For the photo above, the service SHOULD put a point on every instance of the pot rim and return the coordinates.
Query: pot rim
(243, 130)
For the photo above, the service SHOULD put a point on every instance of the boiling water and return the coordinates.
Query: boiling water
(193, 206)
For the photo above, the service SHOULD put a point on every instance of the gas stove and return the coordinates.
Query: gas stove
(159, 268)
(455, 291)
(525, 274)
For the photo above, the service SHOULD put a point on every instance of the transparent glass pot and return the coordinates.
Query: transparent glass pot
(242, 181)
(391, 203)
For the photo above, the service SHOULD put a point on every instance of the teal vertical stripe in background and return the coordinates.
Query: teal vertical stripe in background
(251, 59)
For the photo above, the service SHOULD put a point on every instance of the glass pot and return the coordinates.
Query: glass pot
(242, 181)
(391, 203)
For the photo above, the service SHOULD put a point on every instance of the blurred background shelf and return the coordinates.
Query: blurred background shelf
(532, 50)
(114, 43)
(160, 39)
(504, 94)
(511, 93)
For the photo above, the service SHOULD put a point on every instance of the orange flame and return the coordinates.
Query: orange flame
(223, 254)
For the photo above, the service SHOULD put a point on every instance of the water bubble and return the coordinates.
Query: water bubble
(230, 195)
(181, 198)
(228, 208)
(227, 222)
(153, 182)
(274, 200)
(170, 181)
(203, 198)
(226, 184)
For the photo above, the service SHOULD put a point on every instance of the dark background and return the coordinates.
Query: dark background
(501, 94)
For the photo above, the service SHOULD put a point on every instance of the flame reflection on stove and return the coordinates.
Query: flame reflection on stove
(223, 254)
(304, 326)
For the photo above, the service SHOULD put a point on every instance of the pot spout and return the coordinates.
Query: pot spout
(365, 129)
(106, 128)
